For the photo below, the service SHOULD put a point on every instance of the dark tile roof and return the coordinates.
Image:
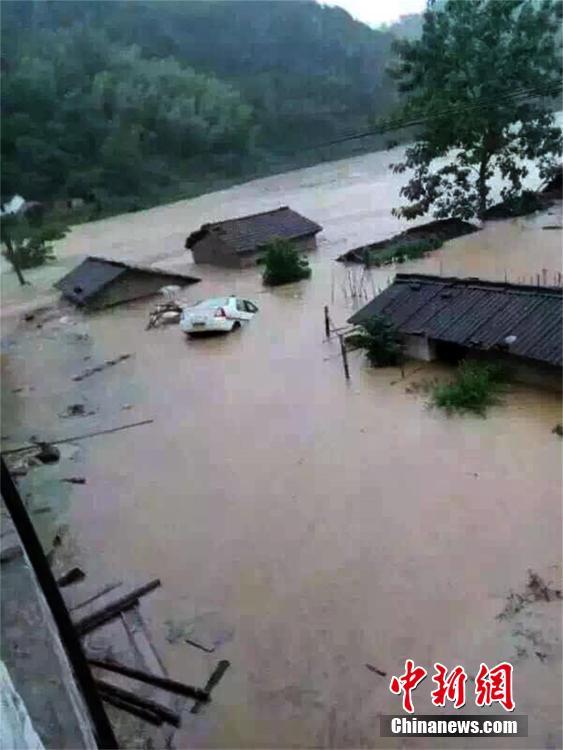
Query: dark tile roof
(475, 313)
(94, 274)
(248, 233)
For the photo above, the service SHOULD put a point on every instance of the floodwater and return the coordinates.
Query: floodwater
(326, 524)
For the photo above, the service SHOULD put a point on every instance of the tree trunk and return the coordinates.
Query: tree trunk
(12, 257)
(482, 185)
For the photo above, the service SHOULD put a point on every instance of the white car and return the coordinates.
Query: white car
(220, 314)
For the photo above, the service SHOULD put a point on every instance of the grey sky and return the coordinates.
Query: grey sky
(375, 12)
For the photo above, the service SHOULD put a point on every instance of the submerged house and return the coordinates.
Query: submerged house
(451, 318)
(99, 282)
(238, 243)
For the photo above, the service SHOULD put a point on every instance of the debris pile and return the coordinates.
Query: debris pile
(166, 313)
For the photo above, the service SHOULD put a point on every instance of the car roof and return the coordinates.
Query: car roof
(213, 302)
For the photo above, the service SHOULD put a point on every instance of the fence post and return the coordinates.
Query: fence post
(327, 322)
(344, 353)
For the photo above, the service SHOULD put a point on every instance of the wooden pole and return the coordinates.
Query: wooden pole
(216, 676)
(164, 713)
(101, 726)
(99, 618)
(327, 322)
(164, 683)
(344, 353)
(77, 437)
(141, 713)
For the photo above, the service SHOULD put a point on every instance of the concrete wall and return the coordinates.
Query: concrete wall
(132, 285)
(211, 249)
(519, 370)
(420, 347)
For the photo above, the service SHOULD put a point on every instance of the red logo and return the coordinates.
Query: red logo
(491, 685)
(407, 682)
(451, 687)
(495, 685)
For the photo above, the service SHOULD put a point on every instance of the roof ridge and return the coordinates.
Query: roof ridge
(474, 280)
(250, 216)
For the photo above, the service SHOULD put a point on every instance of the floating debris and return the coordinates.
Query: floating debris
(48, 453)
(166, 313)
(536, 590)
(74, 575)
(99, 368)
(380, 672)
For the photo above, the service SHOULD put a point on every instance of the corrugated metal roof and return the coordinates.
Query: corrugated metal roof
(248, 233)
(94, 274)
(474, 313)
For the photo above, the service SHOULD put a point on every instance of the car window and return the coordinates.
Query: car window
(241, 305)
(250, 307)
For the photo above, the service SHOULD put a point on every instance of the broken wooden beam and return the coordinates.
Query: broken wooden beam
(216, 676)
(107, 613)
(141, 713)
(72, 576)
(75, 438)
(165, 683)
(168, 716)
(105, 590)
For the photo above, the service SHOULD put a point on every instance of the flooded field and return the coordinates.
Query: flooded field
(325, 524)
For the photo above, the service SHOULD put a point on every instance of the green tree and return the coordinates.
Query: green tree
(284, 264)
(381, 341)
(480, 77)
(28, 241)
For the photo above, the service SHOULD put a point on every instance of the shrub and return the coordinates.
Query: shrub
(476, 387)
(283, 264)
(32, 243)
(381, 341)
(403, 251)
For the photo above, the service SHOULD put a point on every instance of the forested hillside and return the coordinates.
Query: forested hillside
(134, 102)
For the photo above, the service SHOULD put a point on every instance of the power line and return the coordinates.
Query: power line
(400, 124)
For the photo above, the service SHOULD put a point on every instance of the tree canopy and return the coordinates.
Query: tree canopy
(131, 101)
(481, 81)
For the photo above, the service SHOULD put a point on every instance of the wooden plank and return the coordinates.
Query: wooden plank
(165, 683)
(105, 590)
(168, 716)
(141, 713)
(112, 610)
(216, 676)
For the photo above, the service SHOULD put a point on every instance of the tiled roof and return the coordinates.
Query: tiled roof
(475, 313)
(94, 274)
(248, 233)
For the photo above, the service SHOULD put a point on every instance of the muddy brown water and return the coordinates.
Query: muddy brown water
(326, 524)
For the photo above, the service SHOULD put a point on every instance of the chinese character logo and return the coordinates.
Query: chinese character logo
(408, 682)
(491, 685)
(451, 687)
(495, 685)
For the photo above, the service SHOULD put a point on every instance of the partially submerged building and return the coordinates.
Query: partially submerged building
(452, 318)
(238, 243)
(100, 282)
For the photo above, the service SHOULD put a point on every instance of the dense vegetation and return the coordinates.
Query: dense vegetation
(476, 387)
(381, 341)
(283, 264)
(482, 80)
(129, 103)
(28, 240)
